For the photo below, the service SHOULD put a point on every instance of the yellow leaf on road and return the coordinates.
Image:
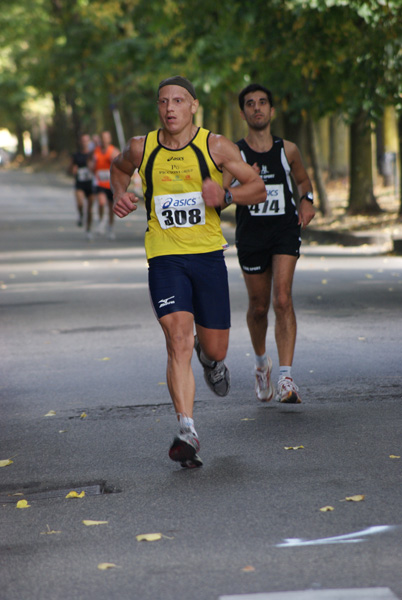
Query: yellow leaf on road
(248, 569)
(23, 504)
(247, 419)
(51, 413)
(83, 415)
(326, 508)
(75, 494)
(149, 537)
(5, 463)
(294, 447)
(357, 498)
(88, 522)
(104, 566)
(391, 456)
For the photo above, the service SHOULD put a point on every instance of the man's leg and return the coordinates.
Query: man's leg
(179, 335)
(259, 293)
(259, 296)
(211, 346)
(283, 267)
(79, 200)
(178, 330)
(285, 325)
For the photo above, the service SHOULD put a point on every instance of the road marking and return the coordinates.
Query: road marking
(349, 538)
(346, 594)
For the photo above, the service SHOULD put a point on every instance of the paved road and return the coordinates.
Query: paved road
(79, 338)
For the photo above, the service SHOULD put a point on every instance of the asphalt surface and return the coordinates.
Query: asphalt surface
(79, 338)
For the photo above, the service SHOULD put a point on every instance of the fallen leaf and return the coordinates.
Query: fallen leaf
(148, 537)
(83, 415)
(5, 463)
(391, 456)
(324, 282)
(51, 413)
(326, 508)
(248, 569)
(247, 419)
(368, 276)
(294, 447)
(23, 504)
(63, 431)
(75, 494)
(49, 531)
(104, 566)
(357, 498)
(88, 522)
(161, 382)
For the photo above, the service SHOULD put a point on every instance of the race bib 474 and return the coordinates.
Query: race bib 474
(274, 204)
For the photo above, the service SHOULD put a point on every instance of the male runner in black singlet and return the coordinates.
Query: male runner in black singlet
(268, 241)
(83, 188)
(181, 167)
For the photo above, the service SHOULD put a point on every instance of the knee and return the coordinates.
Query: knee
(282, 303)
(258, 311)
(179, 344)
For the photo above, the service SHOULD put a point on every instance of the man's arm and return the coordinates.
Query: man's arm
(227, 156)
(121, 171)
(302, 181)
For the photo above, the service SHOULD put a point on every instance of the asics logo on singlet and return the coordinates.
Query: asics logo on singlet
(166, 301)
(174, 202)
(272, 193)
(175, 158)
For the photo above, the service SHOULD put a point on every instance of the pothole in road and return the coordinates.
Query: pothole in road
(36, 491)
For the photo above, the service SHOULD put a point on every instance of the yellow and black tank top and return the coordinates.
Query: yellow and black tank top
(179, 222)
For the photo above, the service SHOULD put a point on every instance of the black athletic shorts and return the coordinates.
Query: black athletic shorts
(108, 192)
(87, 188)
(257, 260)
(195, 283)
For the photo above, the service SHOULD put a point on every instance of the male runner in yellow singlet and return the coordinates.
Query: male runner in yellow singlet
(181, 168)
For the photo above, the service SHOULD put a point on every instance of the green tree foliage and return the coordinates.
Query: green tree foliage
(320, 57)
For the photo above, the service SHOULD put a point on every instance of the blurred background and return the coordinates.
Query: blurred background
(69, 67)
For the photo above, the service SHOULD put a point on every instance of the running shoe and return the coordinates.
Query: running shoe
(216, 377)
(264, 387)
(184, 450)
(287, 391)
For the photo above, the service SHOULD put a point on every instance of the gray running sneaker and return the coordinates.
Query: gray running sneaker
(184, 450)
(264, 386)
(216, 377)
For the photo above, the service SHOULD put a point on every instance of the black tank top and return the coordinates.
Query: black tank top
(255, 222)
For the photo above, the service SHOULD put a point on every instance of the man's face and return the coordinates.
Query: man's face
(257, 111)
(106, 138)
(85, 140)
(176, 107)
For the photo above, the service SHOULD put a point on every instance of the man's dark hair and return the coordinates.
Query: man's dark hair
(254, 87)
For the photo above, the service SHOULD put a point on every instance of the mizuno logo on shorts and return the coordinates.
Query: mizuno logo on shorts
(166, 301)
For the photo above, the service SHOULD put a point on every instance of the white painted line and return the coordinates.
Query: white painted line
(345, 594)
(348, 538)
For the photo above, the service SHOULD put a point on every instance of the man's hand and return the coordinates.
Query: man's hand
(124, 204)
(306, 213)
(212, 193)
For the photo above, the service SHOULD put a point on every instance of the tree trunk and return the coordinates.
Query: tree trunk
(323, 202)
(400, 160)
(361, 194)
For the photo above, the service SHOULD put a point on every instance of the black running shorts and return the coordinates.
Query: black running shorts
(257, 260)
(195, 283)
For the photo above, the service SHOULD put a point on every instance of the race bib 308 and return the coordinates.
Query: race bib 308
(180, 210)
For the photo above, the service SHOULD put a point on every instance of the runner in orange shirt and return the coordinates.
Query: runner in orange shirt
(103, 156)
